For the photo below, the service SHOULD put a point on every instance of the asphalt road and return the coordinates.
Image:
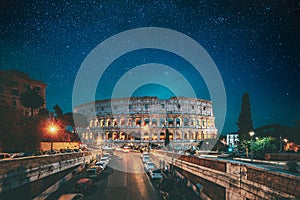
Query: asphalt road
(124, 178)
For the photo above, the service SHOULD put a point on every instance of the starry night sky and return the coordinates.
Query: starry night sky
(255, 45)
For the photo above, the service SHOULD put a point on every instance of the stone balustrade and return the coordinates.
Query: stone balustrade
(228, 179)
(17, 172)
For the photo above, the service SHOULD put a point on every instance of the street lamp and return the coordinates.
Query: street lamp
(251, 133)
(285, 143)
(52, 129)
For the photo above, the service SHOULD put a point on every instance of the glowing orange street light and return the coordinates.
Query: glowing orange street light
(52, 129)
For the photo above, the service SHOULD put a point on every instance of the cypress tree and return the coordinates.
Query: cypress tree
(244, 122)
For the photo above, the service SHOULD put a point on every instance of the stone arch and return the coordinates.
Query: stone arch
(170, 121)
(146, 121)
(162, 122)
(129, 122)
(138, 121)
(171, 135)
(192, 122)
(108, 135)
(186, 136)
(115, 135)
(108, 122)
(154, 136)
(185, 122)
(146, 136)
(154, 122)
(102, 123)
(177, 135)
(123, 136)
(122, 122)
(178, 121)
(115, 122)
(162, 136)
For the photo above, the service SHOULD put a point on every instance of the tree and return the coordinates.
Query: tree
(58, 111)
(244, 122)
(75, 120)
(31, 99)
(264, 145)
(18, 133)
(167, 138)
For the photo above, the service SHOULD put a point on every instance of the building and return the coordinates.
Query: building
(146, 119)
(13, 83)
(232, 139)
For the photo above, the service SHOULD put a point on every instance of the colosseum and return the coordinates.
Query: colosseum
(147, 119)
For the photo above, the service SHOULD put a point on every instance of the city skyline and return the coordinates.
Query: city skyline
(255, 47)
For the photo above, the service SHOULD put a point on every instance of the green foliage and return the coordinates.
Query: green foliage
(31, 99)
(58, 111)
(264, 145)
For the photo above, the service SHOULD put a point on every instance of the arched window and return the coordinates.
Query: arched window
(192, 122)
(162, 122)
(170, 121)
(129, 123)
(146, 121)
(177, 121)
(185, 122)
(138, 122)
(154, 122)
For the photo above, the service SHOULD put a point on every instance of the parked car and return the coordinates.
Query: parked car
(69, 151)
(94, 172)
(118, 149)
(101, 164)
(146, 159)
(144, 154)
(51, 152)
(105, 159)
(22, 155)
(149, 166)
(4, 156)
(126, 149)
(157, 173)
(75, 196)
(83, 185)
(77, 150)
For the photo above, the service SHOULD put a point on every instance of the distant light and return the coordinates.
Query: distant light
(251, 133)
(52, 128)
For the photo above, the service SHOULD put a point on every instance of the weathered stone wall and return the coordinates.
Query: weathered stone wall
(241, 180)
(282, 156)
(18, 172)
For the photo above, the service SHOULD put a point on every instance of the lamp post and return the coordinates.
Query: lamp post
(52, 129)
(280, 143)
(285, 143)
(251, 133)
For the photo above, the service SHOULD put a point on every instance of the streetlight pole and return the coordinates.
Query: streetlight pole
(280, 143)
(251, 133)
(285, 141)
(52, 129)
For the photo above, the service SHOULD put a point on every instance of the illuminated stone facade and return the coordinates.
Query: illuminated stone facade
(146, 119)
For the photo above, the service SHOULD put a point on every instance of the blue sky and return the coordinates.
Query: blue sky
(254, 45)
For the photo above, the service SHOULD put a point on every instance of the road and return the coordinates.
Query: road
(124, 178)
